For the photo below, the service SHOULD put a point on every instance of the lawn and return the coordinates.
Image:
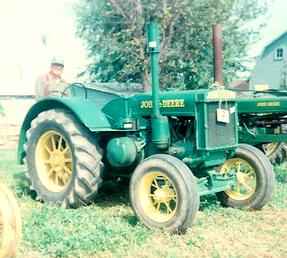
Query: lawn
(108, 228)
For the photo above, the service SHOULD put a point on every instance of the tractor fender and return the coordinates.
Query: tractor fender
(86, 112)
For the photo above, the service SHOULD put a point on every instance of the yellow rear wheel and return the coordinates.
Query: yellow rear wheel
(54, 160)
(64, 161)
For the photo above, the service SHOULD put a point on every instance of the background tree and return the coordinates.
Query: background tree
(114, 32)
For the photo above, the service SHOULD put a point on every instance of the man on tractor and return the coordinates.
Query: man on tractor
(52, 82)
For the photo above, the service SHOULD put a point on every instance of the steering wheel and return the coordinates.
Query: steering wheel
(78, 84)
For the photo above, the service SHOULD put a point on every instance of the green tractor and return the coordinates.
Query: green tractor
(263, 122)
(174, 146)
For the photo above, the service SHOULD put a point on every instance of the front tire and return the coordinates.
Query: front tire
(254, 179)
(64, 161)
(164, 193)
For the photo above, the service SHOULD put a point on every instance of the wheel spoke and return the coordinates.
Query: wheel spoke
(238, 167)
(60, 142)
(64, 178)
(155, 183)
(167, 183)
(168, 207)
(53, 142)
(247, 186)
(51, 172)
(48, 149)
(172, 196)
(65, 150)
(68, 160)
(67, 170)
(157, 206)
(57, 179)
(237, 188)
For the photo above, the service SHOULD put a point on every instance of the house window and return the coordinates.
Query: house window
(279, 53)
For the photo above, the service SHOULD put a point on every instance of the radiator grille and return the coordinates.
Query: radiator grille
(220, 133)
(213, 134)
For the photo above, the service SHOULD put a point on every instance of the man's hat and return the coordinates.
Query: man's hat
(57, 61)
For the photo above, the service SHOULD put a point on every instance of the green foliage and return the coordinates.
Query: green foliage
(63, 232)
(114, 32)
(281, 173)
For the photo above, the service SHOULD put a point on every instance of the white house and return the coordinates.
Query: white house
(271, 65)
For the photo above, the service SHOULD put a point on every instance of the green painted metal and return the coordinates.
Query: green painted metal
(86, 111)
(270, 110)
(215, 183)
(160, 125)
(271, 104)
(121, 151)
(154, 50)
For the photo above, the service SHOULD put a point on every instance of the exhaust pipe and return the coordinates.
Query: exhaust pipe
(217, 54)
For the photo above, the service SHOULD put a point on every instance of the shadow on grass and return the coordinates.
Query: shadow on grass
(112, 193)
(209, 202)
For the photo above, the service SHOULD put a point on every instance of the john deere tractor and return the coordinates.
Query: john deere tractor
(10, 223)
(174, 146)
(263, 121)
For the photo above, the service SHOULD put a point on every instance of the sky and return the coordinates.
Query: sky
(276, 24)
(24, 24)
(23, 56)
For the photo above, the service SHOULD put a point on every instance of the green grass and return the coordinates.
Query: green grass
(109, 228)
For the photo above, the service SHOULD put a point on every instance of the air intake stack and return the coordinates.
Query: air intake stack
(160, 125)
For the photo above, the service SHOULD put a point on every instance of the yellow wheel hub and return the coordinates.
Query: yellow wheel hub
(270, 148)
(158, 196)
(245, 186)
(54, 162)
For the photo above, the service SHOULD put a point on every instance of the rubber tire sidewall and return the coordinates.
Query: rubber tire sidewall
(46, 194)
(261, 164)
(187, 194)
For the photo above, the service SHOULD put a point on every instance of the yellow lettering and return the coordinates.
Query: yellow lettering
(269, 104)
(166, 103)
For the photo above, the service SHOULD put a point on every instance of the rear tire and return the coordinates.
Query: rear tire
(64, 161)
(164, 193)
(275, 152)
(255, 179)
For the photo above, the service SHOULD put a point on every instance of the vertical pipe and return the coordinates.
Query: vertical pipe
(153, 45)
(159, 123)
(217, 53)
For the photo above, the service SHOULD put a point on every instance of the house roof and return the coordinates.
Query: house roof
(273, 42)
(240, 84)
